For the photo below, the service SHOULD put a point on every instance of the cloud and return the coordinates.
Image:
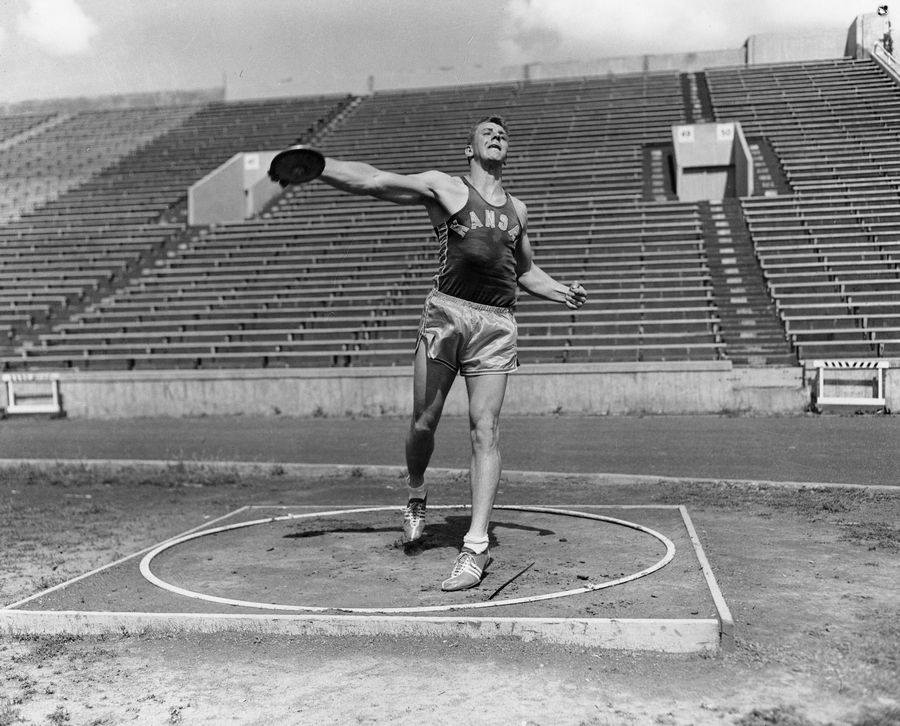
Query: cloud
(60, 27)
(602, 29)
(605, 28)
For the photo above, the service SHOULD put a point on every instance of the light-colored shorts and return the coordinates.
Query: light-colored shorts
(468, 337)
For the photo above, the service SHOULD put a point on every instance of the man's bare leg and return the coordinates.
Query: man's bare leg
(431, 384)
(486, 395)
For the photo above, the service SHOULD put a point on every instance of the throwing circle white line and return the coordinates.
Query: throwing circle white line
(152, 578)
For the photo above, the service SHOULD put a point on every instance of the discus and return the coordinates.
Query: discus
(296, 165)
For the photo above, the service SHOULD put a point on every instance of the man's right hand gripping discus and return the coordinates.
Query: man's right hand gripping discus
(296, 165)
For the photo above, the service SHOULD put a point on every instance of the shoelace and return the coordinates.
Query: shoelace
(414, 510)
(465, 561)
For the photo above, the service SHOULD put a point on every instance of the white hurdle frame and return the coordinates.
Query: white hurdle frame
(13, 405)
(876, 364)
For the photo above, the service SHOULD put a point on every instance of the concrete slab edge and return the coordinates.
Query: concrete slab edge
(670, 635)
(514, 476)
(726, 622)
(654, 635)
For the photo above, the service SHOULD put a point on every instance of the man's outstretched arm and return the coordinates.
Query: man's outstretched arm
(358, 177)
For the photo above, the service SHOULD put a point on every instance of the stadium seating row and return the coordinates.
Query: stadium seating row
(111, 223)
(101, 270)
(832, 245)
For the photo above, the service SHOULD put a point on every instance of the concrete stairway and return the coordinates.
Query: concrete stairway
(750, 327)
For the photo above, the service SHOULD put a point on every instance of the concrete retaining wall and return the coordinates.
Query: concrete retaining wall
(865, 32)
(241, 88)
(706, 387)
(796, 47)
(656, 62)
(219, 196)
(813, 44)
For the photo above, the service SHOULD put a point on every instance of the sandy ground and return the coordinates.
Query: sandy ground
(811, 577)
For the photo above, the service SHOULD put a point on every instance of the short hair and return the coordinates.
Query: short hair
(494, 119)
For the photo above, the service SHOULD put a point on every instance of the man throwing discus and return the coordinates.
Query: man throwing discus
(468, 325)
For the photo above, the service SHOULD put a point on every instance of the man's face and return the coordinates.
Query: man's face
(490, 143)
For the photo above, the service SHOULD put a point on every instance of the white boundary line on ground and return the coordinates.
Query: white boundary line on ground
(159, 582)
(100, 569)
(723, 613)
(726, 622)
(600, 479)
(669, 635)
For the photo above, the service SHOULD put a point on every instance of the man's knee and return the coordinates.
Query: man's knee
(485, 431)
(425, 423)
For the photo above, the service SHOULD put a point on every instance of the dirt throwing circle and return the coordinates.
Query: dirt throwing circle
(589, 587)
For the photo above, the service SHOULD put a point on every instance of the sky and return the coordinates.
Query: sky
(67, 48)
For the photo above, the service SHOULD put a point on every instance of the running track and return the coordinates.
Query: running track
(809, 448)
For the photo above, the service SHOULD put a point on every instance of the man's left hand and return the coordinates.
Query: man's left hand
(576, 296)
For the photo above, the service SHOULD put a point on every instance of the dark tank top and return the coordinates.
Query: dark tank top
(477, 252)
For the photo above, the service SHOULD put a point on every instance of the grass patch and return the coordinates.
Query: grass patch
(59, 716)
(865, 515)
(778, 716)
(9, 713)
(46, 649)
(886, 716)
(875, 535)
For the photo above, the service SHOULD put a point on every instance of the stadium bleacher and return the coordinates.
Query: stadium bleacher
(829, 250)
(103, 272)
(90, 237)
(68, 149)
(328, 279)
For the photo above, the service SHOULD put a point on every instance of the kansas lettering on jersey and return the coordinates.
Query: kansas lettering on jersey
(477, 252)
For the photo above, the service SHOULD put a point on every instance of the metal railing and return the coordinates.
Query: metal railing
(887, 61)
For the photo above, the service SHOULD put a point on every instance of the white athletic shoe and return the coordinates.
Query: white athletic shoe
(414, 520)
(468, 569)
